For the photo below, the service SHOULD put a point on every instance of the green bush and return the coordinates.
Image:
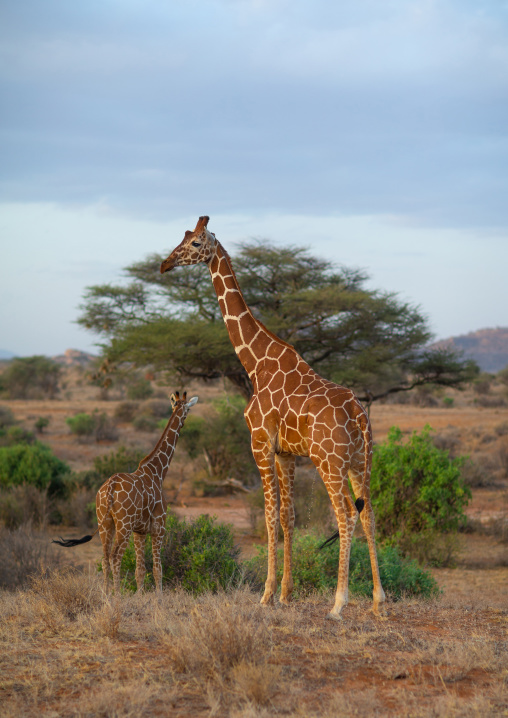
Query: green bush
(32, 464)
(224, 440)
(140, 389)
(6, 417)
(315, 570)
(417, 490)
(41, 423)
(81, 424)
(197, 555)
(124, 460)
(16, 435)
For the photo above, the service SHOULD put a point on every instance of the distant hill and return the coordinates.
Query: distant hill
(488, 347)
(6, 355)
(74, 357)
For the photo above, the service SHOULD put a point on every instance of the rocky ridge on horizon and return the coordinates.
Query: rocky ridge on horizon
(488, 347)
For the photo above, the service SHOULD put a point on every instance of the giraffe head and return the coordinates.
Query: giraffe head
(196, 247)
(183, 404)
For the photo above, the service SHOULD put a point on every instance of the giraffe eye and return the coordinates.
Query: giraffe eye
(196, 244)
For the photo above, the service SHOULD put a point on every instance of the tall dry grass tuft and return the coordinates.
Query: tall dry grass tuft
(223, 642)
(58, 597)
(25, 552)
(111, 700)
(218, 634)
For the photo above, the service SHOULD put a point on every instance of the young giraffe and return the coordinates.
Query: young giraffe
(135, 503)
(293, 411)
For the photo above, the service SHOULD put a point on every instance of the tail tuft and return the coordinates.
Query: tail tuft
(69, 543)
(330, 540)
(359, 503)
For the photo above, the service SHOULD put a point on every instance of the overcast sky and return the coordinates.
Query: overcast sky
(375, 133)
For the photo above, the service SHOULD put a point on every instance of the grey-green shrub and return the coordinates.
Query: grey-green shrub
(197, 555)
(317, 570)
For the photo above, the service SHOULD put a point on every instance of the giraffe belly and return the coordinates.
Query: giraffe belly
(291, 441)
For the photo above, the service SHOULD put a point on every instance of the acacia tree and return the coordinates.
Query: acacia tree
(367, 340)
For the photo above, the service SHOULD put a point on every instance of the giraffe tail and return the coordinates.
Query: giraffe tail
(69, 543)
(359, 503)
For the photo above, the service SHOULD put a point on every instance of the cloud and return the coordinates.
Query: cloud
(161, 109)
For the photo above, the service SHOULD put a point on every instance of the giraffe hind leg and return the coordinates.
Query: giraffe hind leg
(107, 535)
(285, 465)
(346, 513)
(369, 525)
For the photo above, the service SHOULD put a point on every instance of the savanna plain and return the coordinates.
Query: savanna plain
(68, 650)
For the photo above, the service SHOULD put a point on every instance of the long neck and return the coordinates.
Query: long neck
(160, 458)
(249, 337)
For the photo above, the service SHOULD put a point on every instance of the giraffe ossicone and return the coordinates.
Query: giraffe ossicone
(293, 412)
(135, 504)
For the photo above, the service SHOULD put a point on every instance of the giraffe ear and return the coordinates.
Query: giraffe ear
(173, 399)
(192, 401)
(202, 222)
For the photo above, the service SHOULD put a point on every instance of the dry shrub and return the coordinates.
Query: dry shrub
(503, 459)
(452, 661)
(60, 596)
(24, 504)
(126, 411)
(455, 706)
(161, 409)
(256, 683)
(24, 552)
(79, 509)
(502, 428)
(106, 620)
(111, 700)
(476, 474)
(448, 441)
(490, 402)
(220, 633)
(358, 703)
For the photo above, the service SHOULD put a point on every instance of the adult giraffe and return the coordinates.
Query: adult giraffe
(293, 411)
(135, 503)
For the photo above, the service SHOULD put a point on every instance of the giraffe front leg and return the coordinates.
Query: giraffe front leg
(264, 459)
(286, 472)
(139, 547)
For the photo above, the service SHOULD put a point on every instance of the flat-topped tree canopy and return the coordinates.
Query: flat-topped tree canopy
(368, 340)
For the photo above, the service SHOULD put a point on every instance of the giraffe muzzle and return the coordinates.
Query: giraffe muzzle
(168, 264)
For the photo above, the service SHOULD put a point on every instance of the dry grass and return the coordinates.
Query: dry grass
(69, 651)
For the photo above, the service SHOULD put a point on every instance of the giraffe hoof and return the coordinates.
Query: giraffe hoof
(267, 600)
(334, 617)
(380, 613)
